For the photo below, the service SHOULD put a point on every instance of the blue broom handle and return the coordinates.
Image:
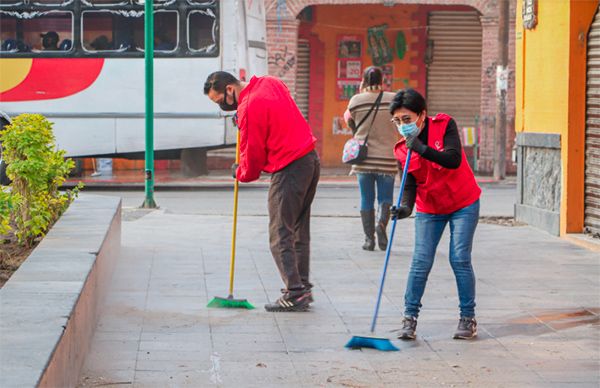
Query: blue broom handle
(390, 240)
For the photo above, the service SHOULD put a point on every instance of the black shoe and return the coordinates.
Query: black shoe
(291, 301)
(409, 329)
(467, 328)
(368, 222)
(310, 298)
(382, 222)
(369, 244)
(382, 239)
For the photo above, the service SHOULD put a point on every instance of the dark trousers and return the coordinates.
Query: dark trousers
(291, 194)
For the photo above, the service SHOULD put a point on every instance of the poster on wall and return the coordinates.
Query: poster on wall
(347, 88)
(388, 77)
(349, 46)
(379, 47)
(348, 69)
(339, 127)
(349, 65)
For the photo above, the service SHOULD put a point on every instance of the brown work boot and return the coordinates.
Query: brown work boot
(467, 328)
(409, 329)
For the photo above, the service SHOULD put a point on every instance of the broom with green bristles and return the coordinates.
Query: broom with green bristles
(230, 301)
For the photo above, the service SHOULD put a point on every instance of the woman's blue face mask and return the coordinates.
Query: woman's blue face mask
(408, 130)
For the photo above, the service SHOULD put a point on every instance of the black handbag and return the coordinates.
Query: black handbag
(356, 151)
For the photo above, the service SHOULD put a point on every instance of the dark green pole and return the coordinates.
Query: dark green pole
(149, 58)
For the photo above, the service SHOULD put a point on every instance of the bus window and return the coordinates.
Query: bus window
(123, 31)
(202, 32)
(54, 3)
(106, 31)
(91, 3)
(157, 3)
(166, 31)
(10, 2)
(202, 2)
(45, 32)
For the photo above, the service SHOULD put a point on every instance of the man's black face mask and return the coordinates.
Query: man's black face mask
(229, 107)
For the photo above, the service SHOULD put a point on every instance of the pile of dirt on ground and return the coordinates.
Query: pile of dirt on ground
(500, 220)
(11, 256)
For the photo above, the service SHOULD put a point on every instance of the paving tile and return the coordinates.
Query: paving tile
(182, 343)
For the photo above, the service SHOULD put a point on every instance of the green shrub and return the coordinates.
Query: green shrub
(5, 210)
(37, 169)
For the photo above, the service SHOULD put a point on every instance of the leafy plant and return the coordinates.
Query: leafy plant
(5, 210)
(37, 169)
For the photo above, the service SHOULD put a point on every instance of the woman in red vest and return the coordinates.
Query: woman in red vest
(444, 189)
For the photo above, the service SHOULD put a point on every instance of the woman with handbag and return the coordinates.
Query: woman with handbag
(369, 118)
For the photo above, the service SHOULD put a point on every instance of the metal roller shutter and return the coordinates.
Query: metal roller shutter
(303, 76)
(592, 132)
(454, 75)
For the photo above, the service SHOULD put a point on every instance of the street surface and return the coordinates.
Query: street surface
(538, 303)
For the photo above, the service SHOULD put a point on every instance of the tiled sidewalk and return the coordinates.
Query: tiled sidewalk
(538, 311)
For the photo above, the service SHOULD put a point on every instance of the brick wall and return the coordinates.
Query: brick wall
(282, 44)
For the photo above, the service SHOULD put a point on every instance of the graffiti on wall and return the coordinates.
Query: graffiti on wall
(379, 47)
(283, 60)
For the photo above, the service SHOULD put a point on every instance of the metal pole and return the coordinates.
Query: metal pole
(149, 65)
(501, 89)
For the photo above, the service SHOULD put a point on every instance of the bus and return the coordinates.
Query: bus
(81, 64)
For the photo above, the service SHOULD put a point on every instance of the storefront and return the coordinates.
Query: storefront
(446, 50)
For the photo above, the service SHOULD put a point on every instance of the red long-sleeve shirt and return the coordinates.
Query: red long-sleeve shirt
(273, 131)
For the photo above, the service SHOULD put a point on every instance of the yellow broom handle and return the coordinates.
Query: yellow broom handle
(235, 208)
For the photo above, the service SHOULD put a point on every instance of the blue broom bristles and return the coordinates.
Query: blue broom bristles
(382, 344)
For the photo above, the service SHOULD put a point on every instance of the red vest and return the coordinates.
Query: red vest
(439, 190)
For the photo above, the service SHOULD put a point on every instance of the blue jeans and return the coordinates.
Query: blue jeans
(428, 231)
(385, 189)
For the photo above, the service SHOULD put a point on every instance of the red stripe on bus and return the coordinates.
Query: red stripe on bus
(51, 78)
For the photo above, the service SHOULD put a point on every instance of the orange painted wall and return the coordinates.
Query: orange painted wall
(582, 13)
(334, 20)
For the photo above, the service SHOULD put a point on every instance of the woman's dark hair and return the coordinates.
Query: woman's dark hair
(218, 81)
(410, 99)
(372, 76)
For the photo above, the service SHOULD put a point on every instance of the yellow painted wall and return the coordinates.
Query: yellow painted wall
(550, 90)
(542, 66)
(334, 20)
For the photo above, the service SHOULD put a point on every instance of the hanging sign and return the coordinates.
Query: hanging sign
(379, 47)
(530, 10)
(400, 45)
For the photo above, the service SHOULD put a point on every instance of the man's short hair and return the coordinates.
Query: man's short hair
(218, 81)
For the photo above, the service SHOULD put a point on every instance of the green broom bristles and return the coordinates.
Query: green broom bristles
(230, 303)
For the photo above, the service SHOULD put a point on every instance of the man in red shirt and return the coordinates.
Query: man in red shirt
(275, 138)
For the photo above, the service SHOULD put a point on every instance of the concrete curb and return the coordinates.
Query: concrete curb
(583, 241)
(219, 184)
(49, 307)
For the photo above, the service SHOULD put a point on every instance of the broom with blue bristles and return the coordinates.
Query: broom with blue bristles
(230, 301)
(384, 344)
